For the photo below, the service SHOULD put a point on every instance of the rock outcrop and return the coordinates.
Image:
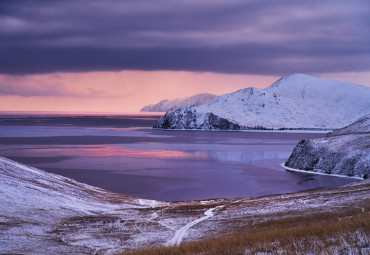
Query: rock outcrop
(189, 118)
(345, 151)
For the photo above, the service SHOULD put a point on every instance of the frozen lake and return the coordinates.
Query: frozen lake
(124, 155)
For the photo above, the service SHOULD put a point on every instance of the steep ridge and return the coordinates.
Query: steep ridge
(167, 105)
(362, 125)
(294, 102)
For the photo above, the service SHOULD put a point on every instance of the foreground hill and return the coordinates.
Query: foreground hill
(294, 102)
(167, 105)
(43, 213)
(345, 151)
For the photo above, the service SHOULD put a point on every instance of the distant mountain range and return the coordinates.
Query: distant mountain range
(297, 101)
(167, 105)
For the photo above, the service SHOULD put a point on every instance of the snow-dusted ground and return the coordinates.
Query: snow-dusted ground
(296, 101)
(167, 105)
(43, 213)
(180, 233)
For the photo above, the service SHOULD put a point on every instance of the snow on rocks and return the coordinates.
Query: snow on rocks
(294, 102)
(188, 118)
(345, 151)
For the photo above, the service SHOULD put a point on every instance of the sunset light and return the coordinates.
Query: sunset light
(184, 127)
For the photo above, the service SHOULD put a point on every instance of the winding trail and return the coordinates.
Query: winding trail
(180, 233)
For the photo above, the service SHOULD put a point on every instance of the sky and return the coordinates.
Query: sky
(117, 55)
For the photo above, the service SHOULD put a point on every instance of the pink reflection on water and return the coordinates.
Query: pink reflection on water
(120, 151)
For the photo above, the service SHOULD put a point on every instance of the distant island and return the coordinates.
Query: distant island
(167, 105)
(297, 101)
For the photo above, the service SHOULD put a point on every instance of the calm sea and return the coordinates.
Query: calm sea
(123, 154)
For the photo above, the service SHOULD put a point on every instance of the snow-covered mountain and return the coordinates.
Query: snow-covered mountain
(167, 105)
(345, 151)
(297, 101)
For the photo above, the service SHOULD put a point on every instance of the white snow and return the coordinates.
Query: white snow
(180, 233)
(345, 151)
(34, 203)
(318, 173)
(362, 125)
(167, 105)
(44, 213)
(296, 101)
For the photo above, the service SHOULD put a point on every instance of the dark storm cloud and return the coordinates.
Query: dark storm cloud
(259, 37)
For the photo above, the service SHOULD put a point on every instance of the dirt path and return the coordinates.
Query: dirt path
(180, 233)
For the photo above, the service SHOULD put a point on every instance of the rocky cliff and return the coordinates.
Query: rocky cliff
(189, 118)
(345, 151)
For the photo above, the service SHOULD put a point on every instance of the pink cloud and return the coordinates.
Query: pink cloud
(125, 91)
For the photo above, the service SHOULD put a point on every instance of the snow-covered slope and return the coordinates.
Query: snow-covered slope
(362, 125)
(296, 101)
(44, 213)
(167, 105)
(345, 151)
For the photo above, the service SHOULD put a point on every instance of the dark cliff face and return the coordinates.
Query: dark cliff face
(217, 123)
(338, 153)
(188, 118)
(307, 156)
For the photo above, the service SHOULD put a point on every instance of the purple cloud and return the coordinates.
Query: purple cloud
(251, 37)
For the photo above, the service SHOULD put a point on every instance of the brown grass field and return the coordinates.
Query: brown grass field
(330, 231)
(315, 235)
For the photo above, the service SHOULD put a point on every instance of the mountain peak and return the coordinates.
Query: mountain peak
(294, 101)
(299, 75)
(296, 78)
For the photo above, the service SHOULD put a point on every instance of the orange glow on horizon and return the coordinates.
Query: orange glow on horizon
(120, 92)
(126, 91)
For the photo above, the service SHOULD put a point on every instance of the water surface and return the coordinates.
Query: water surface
(123, 154)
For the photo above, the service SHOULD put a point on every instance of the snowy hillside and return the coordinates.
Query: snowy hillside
(167, 105)
(296, 101)
(44, 213)
(345, 151)
(362, 125)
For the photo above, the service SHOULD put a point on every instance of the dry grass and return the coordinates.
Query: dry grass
(321, 233)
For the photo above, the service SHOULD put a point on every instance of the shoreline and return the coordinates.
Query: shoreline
(254, 130)
(319, 173)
